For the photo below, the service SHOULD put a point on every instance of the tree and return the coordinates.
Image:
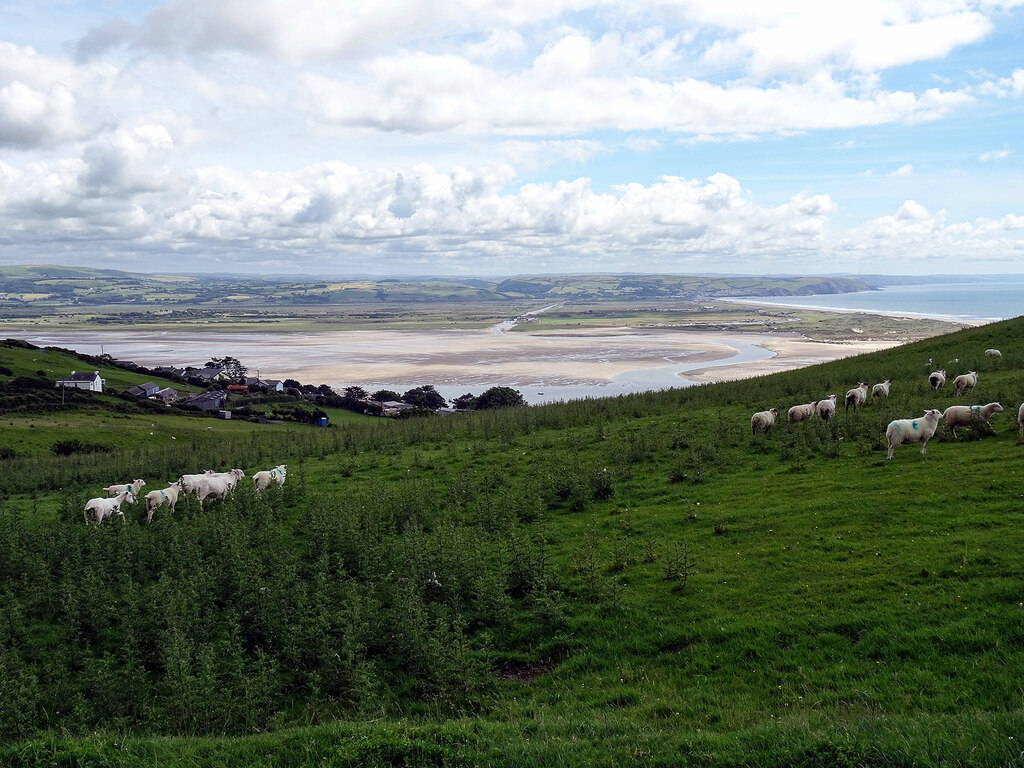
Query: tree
(325, 390)
(424, 397)
(384, 395)
(499, 397)
(232, 367)
(292, 384)
(356, 393)
(466, 402)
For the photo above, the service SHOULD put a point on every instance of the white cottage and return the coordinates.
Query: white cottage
(91, 382)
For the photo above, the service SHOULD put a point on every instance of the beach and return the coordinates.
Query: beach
(561, 365)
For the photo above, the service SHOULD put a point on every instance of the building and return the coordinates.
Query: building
(166, 396)
(237, 389)
(91, 382)
(142, 390)
(206, 401)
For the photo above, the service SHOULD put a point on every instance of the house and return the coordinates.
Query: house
(237, 389)
(393, 407)
(142, 390)
(169, 371)
(206, 401)
(207, 375)
(272, 384)
(91, 382)
(166, 396)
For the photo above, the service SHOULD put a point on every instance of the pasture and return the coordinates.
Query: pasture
(637, 580)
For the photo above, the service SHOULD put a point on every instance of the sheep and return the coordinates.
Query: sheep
(759, 422)
(132, 488)
(903, 431)
(106, 506)
(993, 353)
(966, 415)
(965, 381)
(826, 408)
(218, 485)
(262, 479)
(857, 396)
(1020, 420)
(157, 499)
(881, 390)
(801, 412)
(189, 482)
(937, 379)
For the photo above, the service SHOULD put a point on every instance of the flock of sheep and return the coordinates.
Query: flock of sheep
(899, 431)
(208, 485)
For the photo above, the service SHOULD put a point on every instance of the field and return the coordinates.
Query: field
(606, 582)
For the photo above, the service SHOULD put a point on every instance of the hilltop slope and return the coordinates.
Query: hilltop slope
(609, 581)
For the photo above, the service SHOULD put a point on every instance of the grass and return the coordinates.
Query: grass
(839, 609)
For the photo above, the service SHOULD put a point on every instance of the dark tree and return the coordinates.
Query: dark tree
(356, 393)
(499, 397)
(233, 368)
(292, 384)
(466, 402)
(325, 390)
(384, 395)
(424, 397)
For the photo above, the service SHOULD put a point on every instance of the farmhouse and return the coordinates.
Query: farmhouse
(207, 375)
(166, 396)
(91, 382)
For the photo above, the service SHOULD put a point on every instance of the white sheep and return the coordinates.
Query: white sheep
(966, 415)
(802, 412)
(993, 353)
(826, 408)
(1020, 420)
(903, 431)
(857, 396)
(965, 381)
(158, 498)
(937, 379)
(132, 488)
(881, 389)
(262, 479)
(106, 506)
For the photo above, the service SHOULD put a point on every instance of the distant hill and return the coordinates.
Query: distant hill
(41, 287)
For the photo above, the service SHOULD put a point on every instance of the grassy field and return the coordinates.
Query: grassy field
(608, 582)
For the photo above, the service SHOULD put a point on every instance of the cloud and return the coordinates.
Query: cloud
(995, 154)
(903, 171)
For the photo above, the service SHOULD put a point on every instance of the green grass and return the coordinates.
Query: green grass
(837, 609)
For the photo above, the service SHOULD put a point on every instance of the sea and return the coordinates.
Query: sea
(975, 303)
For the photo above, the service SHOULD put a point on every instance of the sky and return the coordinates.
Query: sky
(480, 137)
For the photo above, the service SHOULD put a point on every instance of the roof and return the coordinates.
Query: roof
(82, 376)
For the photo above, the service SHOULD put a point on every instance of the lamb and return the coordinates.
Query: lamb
(132, 488)
(965, 381)
(801, 412)
(993, 353)
(759, 422)
(106, 506)
(881, 390)
(278, 474)
(189, 483)
(904, 431)
(857, 396)
(937, 379)
(157, 499)
(826, 408)
(966, 415)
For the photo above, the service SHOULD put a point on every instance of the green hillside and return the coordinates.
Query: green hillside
(631, 581)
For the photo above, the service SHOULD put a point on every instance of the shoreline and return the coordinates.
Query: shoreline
(592, 363)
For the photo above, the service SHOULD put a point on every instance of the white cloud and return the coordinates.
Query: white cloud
(995, 154)
(904, 171)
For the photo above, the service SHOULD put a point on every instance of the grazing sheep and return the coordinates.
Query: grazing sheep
(801, 412)
(993, 353)
(189, 483)
(937, 379)
(132, 488)
(903, 431)
(881, 390)
(826, 408)
(262, 479)
(1020, 420)
(965, 381)
(157, 499)
(104, 507)
(966, 415)
(857, 396)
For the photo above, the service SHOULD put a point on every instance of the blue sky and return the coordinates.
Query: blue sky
(481, 137)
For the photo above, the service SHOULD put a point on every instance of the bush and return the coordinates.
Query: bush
(74, 445)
